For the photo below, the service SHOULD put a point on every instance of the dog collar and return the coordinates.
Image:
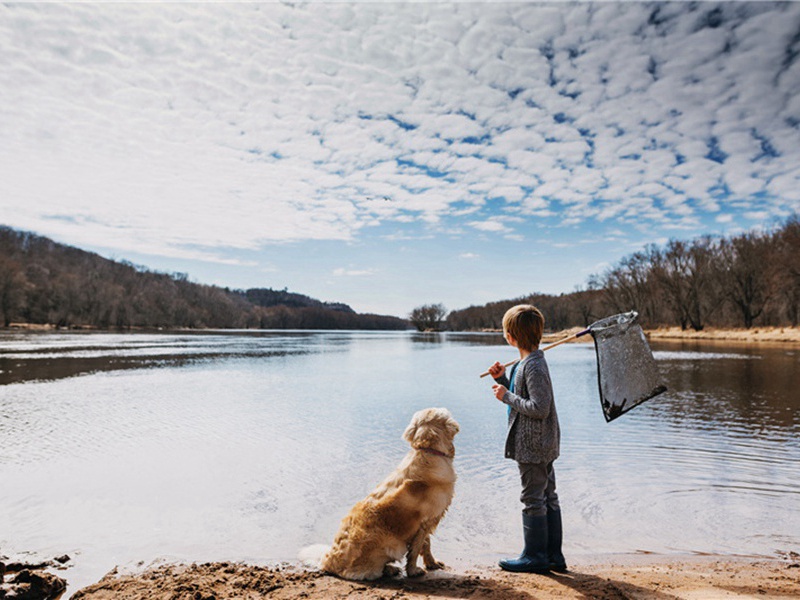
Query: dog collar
(434, 451)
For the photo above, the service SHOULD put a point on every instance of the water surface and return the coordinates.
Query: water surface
(116, 448)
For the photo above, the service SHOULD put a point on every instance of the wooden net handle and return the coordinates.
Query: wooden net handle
(553, 345)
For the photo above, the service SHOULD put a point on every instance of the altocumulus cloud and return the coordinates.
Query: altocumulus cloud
(190, 130)
(342, 272)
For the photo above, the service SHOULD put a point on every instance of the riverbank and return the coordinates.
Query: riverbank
(635, 577)
(778, 335)
(755, 334)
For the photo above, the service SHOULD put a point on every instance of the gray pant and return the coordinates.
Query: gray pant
(538, 488)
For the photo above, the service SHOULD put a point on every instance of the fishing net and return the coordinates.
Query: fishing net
(626, 370)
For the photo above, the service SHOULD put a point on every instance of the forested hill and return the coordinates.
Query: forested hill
(44, 282)
(268, 297)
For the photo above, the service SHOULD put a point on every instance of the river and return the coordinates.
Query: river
(124, 447)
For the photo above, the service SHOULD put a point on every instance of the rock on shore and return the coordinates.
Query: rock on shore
(27, 581)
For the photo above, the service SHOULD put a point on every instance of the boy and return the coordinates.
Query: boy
(532, 440)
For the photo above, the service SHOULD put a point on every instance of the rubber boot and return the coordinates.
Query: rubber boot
(554, 536)
(534, 557)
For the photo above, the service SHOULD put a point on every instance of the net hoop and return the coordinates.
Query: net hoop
(620, 320)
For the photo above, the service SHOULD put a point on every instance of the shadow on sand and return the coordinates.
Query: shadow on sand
(603, 588)
(515, 586)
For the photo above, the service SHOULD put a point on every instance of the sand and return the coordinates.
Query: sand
(755, 335)
(635, 577)
(779, 335)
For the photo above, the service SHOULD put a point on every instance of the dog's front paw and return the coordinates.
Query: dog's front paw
(434, 565)
(415, 571)
(391, 571)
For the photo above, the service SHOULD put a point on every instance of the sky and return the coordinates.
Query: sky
(390, 155)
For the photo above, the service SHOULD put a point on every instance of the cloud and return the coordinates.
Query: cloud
(491, 226)
(199, 130)
(342, 272)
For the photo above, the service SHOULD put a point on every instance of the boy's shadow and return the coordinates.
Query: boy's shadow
(453, 585)
(594, 587)
(512, 586)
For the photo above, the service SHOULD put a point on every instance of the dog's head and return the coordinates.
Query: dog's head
(432, 428)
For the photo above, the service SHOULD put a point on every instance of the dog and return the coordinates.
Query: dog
(397, 519)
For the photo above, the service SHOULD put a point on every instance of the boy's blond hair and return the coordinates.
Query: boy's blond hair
(524, 323)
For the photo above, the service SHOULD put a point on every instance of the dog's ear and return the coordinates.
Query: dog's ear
(427, 425)
(449, 424)
(452, 427)
(411, 430)
(421, 430)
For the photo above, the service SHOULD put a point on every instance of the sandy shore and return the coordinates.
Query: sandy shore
(636, 577)
(779, 335)
(756, 334)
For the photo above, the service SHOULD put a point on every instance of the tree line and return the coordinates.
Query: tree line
(738, 281)
(563, 311)
(44, 282)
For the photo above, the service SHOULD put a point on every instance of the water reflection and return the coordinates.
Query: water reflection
(455, 337)
(749, 385)
(49, 356)
(250, 445)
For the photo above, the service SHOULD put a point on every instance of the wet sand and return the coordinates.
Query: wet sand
(634, 577)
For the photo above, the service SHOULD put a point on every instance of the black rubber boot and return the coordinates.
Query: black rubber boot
(554, 536)
(534, 557)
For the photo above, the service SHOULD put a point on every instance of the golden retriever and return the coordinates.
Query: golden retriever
(398, 518)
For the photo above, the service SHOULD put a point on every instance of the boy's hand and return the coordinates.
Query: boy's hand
(499, 391)
(497, 370)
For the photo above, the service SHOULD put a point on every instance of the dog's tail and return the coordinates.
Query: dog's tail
(311, 556)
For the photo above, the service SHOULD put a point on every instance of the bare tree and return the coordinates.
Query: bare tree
(685, 273)
(632, 285)
(747, 274)
(429, 317)
(584, 303)
(12, 290)
(788, 272)
(670, 269)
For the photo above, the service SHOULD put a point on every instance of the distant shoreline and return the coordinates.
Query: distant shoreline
(790, 335)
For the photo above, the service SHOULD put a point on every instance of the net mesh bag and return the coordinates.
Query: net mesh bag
(627, 373)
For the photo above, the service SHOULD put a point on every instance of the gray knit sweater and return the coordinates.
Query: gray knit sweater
(533, 432)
